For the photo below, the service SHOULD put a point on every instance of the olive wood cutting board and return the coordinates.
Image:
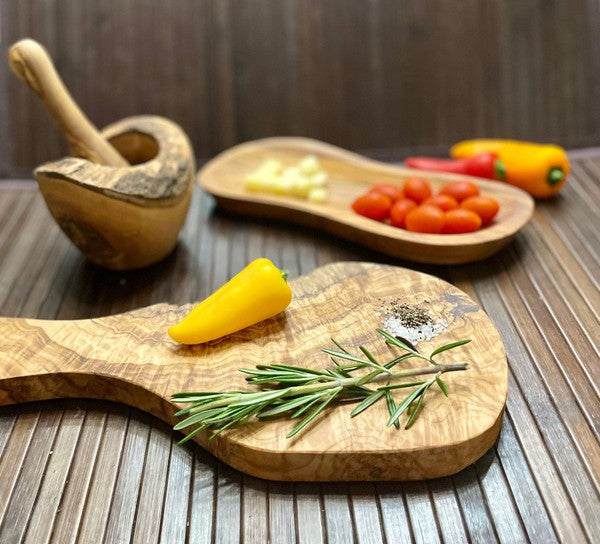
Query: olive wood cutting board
(129, 358)
(351, 175)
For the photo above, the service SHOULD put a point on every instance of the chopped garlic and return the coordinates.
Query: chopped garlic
(301, 187)
(309, 165)
(270, 167)
(284, 186)
(303, 180)
(318, 194)
(319, 179)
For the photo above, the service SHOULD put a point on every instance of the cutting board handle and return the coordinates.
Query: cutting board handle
(31, 63)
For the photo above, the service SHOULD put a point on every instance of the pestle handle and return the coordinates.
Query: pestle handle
(31, 63)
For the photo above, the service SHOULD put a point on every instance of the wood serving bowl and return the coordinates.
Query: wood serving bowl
(349, 176)
(124, 217)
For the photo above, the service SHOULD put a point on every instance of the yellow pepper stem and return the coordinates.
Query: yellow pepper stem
(555, 175)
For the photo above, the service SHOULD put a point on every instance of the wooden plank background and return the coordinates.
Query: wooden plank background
(94, 472)
(369, 74)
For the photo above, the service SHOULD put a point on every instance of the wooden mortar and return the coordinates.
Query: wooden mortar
(123, 196)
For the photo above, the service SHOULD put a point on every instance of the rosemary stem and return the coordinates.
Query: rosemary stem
(341, 382)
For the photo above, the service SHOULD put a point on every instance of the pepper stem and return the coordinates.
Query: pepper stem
(284, 274)
(499, 170)
(555, 175)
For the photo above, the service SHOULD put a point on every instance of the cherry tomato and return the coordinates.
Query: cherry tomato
(417, 189)
(460, 220)
(484, 206)
(393, 191)
(444, 202)
(460, 190)
(425, 219)
(399, 211)
(373, 205)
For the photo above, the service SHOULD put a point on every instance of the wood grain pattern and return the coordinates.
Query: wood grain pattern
(539, 482)
(350, 175)
(124, 217)
(127, 358)
(378, 75)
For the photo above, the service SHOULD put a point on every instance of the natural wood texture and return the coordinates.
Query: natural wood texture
(351, 175)
(377, 75)
(31, 63)
(104, 464)
(120, 217)
(128, 358)
(125, 217)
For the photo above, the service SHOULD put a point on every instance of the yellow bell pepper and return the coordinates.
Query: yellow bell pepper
(539, 169)
(258, 292)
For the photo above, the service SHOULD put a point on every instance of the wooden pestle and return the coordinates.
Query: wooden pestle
(31, 63)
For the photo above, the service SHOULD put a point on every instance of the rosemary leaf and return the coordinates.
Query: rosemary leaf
(239, 418)
(251, 398)
(341, 348)
(397, 360)
(448, 346)
(405, 404)
(185, 397)
(393, 340)
(369, 355)
(442, 385)
(191, 435)
(371, 399)
(348, 356)
(368, 377)
(314, 414)
(317, 398)
(286, 407)
(197, 418)
(302, 369)
(416, 411)
(400, 385)
(340, 375)
(391, 406)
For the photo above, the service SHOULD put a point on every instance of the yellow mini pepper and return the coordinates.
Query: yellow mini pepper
(539, 169)
(258, 292)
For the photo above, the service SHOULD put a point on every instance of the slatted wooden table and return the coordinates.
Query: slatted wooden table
(88, 471)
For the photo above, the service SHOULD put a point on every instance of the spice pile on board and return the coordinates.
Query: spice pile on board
(413, 323)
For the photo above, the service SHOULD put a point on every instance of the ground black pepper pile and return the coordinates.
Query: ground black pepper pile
(410, 316)
(410, 322)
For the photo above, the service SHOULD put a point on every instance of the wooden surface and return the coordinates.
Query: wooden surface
(129, 217)
(97, 469)
(129, 358)
(350, 175)
(362, 75)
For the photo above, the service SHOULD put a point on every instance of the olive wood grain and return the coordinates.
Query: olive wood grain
(351, 175)
(129, 358)
(31, 63)
(125, 217)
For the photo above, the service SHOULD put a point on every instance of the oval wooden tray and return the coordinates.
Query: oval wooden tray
(129, 358)
(350, 175)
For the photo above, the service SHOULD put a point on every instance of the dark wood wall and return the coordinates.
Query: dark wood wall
(364, 74)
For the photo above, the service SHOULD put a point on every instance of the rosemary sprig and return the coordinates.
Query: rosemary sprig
(306, 392)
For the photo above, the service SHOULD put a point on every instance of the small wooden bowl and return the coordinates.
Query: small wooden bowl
(125, 217)
(351, 175)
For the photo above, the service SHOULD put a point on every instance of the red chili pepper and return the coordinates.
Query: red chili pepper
(483, 165)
